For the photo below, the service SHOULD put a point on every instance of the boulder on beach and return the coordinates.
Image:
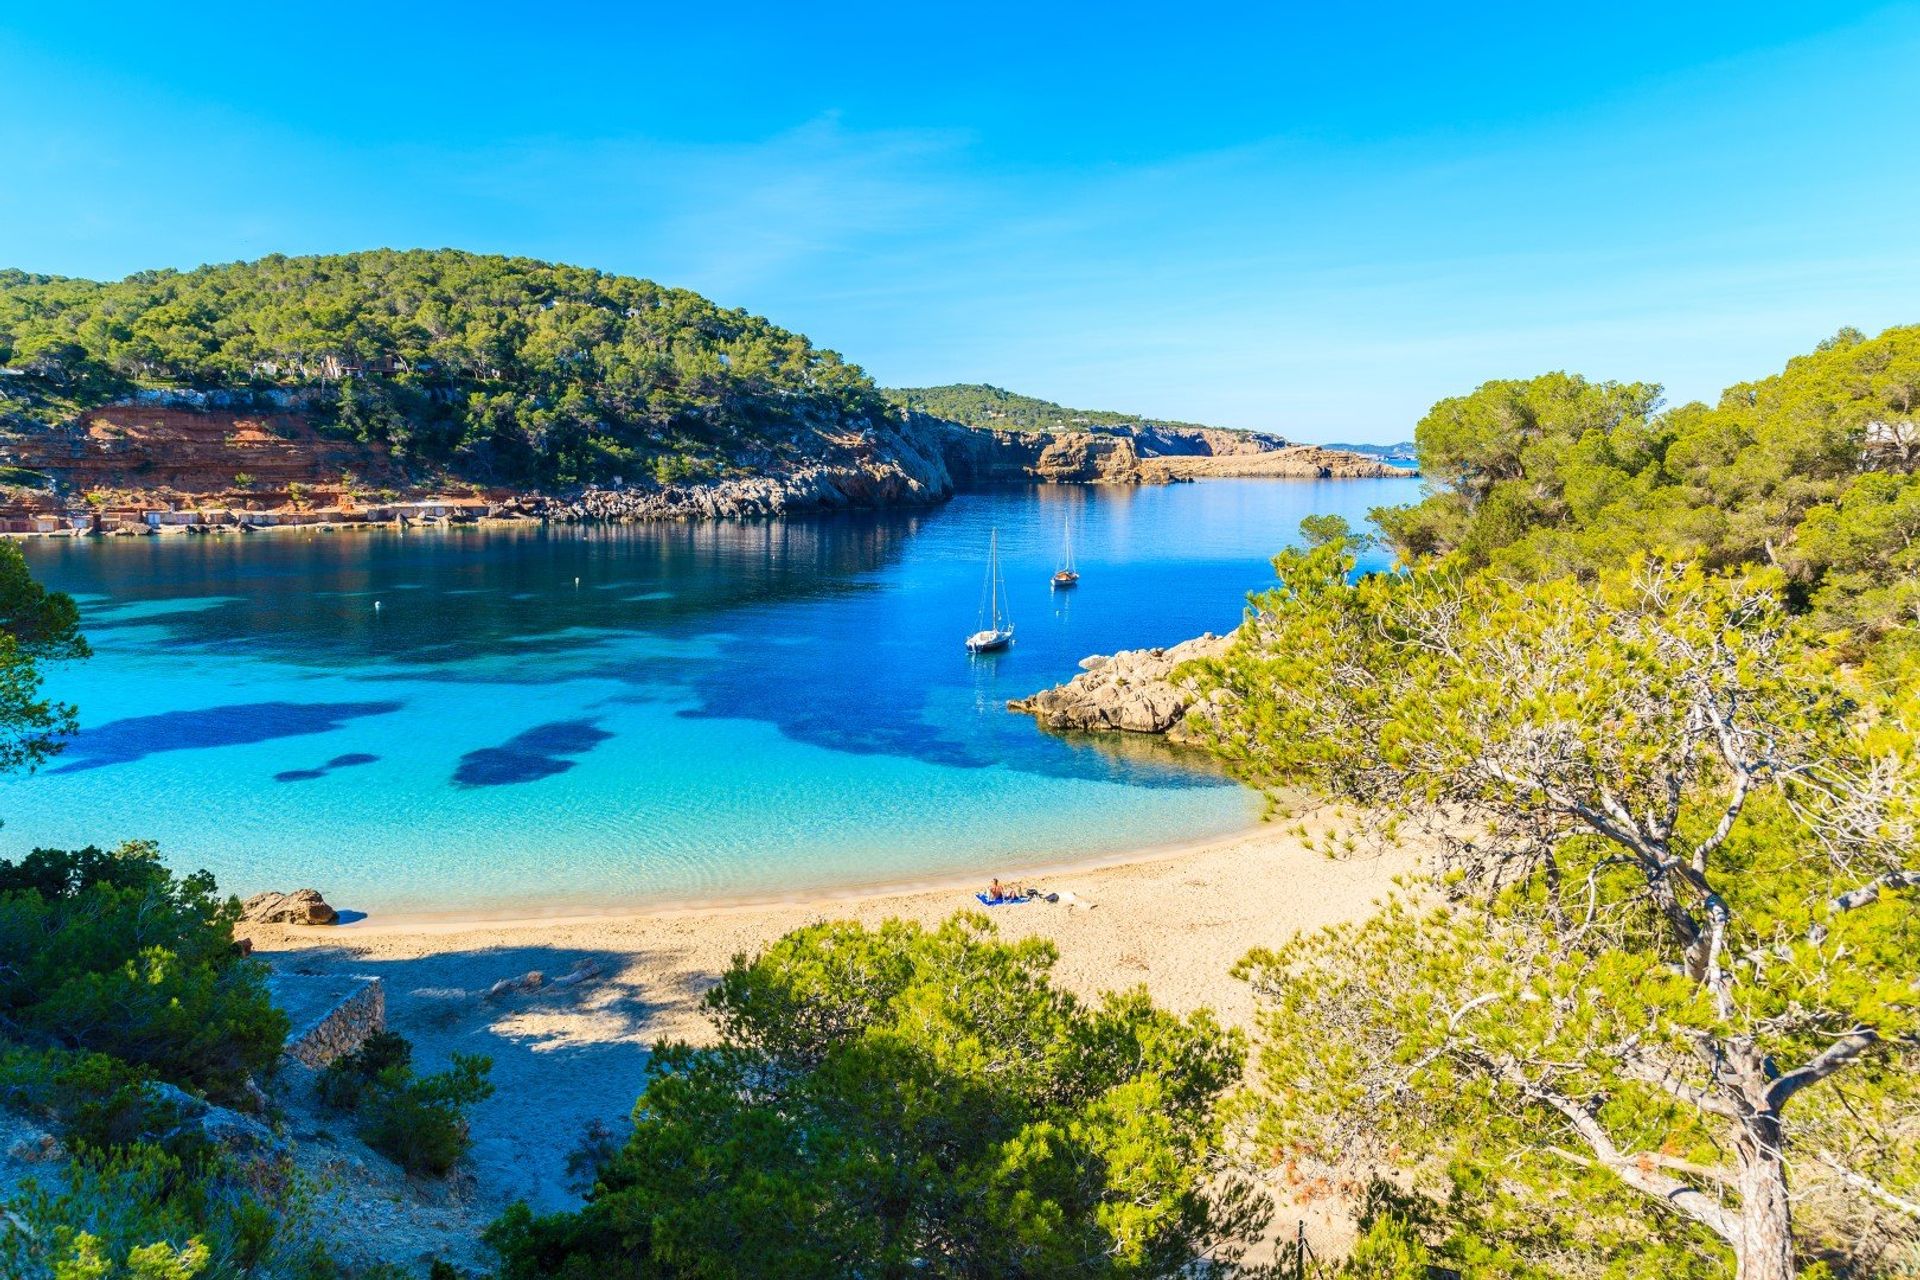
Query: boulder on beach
(302, 906)
(1132, 691)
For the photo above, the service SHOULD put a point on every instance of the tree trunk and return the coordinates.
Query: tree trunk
(1765, 1249)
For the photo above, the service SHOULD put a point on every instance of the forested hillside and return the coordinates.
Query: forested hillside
(980, 405)
(513, 370)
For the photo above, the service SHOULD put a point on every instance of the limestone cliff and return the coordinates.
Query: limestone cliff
(1299, 461)
(978, 457)
(874, 468)
(271, 451)
(123, 458)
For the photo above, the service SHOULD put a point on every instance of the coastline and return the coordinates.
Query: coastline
(570, 1052)
(1185, 912)
(371, 924)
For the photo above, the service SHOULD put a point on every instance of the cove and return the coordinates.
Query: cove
(550, 719)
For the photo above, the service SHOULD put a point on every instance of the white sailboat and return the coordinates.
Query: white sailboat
(996, 631)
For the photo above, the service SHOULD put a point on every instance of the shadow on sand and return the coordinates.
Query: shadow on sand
(564, 1054)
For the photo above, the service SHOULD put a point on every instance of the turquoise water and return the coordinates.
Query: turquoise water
(564, 719)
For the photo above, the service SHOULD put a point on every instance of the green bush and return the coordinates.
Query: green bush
(95, 1102)
(415, 1121)
(111, 953)
(145, 1214)
(904, 1101)
(344, 1082)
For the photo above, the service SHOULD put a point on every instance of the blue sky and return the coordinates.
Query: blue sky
(1279, 216)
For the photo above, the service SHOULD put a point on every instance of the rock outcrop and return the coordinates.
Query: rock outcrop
(1133, 691)
(874, 468)
(302, 906)
(178, 453)
(1298, 461)
(979, 457)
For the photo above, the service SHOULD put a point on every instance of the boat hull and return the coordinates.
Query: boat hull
(1061, 581)
(989, 641)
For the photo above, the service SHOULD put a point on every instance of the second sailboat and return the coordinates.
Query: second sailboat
(1067, 575)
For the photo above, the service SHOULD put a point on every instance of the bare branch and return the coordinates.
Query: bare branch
(1869, 893)
(1643, 1176)
(1648, 1071)
(1655, 1159)
(1836, 1056)
(1861, 1182)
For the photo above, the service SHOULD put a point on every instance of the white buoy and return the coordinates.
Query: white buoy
(376, 606)
(576, 581)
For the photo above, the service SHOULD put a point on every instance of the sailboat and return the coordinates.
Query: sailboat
(1066, 576)
(997, 633)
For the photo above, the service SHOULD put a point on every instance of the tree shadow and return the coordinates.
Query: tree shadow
(565, 1054)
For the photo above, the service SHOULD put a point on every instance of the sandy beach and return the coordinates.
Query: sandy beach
(569, 1055)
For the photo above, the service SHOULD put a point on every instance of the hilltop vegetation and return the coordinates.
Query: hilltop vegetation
(510, 369)
(1812, 470)
(976, 404)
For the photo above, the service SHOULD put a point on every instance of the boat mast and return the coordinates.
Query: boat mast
(993, 575)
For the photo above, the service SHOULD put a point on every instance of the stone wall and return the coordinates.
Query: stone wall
(332, 1014)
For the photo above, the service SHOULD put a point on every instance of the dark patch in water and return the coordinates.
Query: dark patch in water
(540, 752)
(137, 737)
(338, 762)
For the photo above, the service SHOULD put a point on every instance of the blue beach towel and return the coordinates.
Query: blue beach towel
(985, 901)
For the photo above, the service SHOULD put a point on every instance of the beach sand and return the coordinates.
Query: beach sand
(566, 1056)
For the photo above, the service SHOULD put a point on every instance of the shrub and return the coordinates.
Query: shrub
(345, 1081)
(415, 1121)
(597, 1148)
(94, 1101)
(111, 953)
(146, 1214)
(907, 1101)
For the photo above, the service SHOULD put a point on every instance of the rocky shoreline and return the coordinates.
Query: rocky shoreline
(1132, 691)
(878, 469)
(1294, 462)
(151, 468)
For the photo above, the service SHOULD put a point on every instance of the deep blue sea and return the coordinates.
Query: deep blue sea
(520, 721)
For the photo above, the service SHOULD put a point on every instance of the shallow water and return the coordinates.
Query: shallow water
(526, 720)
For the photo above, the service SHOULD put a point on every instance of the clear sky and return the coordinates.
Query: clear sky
(1314, 218)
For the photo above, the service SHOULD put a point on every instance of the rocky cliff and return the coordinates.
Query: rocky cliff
(141, 455)
(229, 452)
(978, 457)
(171, 455)
(1299, 461)
(1133, 691)
(876, 468)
